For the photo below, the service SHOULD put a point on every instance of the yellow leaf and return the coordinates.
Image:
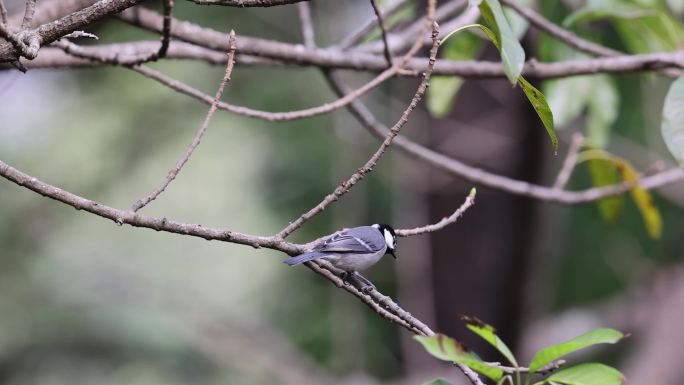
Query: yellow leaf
(642, 198)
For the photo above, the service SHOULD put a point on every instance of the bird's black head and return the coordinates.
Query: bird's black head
(390, 237)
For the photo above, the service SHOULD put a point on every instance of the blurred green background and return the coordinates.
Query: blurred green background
(83, 301)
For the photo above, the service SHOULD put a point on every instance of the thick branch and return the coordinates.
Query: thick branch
(47, 33)
(336, 58)
(138, 220)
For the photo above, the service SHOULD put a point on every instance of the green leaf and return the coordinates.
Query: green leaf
(672, 126)
(642, 198)
(488, 333)
(512, 53)
(541, 107)
(448, 349)
(604, 173)
(535, 96)
(553, 352)
(438, 381)
(586, 374)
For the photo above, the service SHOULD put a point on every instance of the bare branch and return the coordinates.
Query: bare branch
(561, 34)
(544, 370)
(383, 32)
(48, 33)
(446, 221)
(570, 161)
(3, 13)
(368, 26)
(307, 24)
(28, 14)
(246, 3)
(345, 186)
(198, 136)
(138, 220)
(356, 60)
(499, 182)
(570, 38)
(166, 31)
(266, 115)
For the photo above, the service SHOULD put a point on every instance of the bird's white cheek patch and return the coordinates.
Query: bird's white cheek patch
(389, 239)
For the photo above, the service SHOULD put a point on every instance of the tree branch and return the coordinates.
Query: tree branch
(345, 186)
(446, 221)
(200, 133)
(499, 182)
(246, 3)
(28, 13)
(47, 33)
(570, 161)
(383, 32)
(307, 24)
(368, 26)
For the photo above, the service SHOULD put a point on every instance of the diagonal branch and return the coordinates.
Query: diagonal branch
(368, 26)
(28, 14)
(198, 136)
(570, 38)
(345, 186)
(307, 24)
(561, 34)
(499, 182)
(383, 32)
(3, 13)
(469, 201)
(570, 161)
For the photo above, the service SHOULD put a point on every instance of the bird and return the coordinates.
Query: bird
(353, 249)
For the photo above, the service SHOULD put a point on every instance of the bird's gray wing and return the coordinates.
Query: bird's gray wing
(358, 239)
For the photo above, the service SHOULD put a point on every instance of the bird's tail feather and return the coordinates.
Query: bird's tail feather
(301, 258)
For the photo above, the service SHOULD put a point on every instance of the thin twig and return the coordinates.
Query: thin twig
(304, 10)
(28, 14)
(246, 3)
(368, 26)
(345, 186)
(267, 115)
(166, 29)
(469, 201)
(570, 162)
(113, 58)
(383, 32)
(498, 182)
(569, 38)
(548, 368)
(3, 13)
(198, 136)
(561, 34)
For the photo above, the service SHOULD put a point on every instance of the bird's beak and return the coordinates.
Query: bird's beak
(391, 252)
